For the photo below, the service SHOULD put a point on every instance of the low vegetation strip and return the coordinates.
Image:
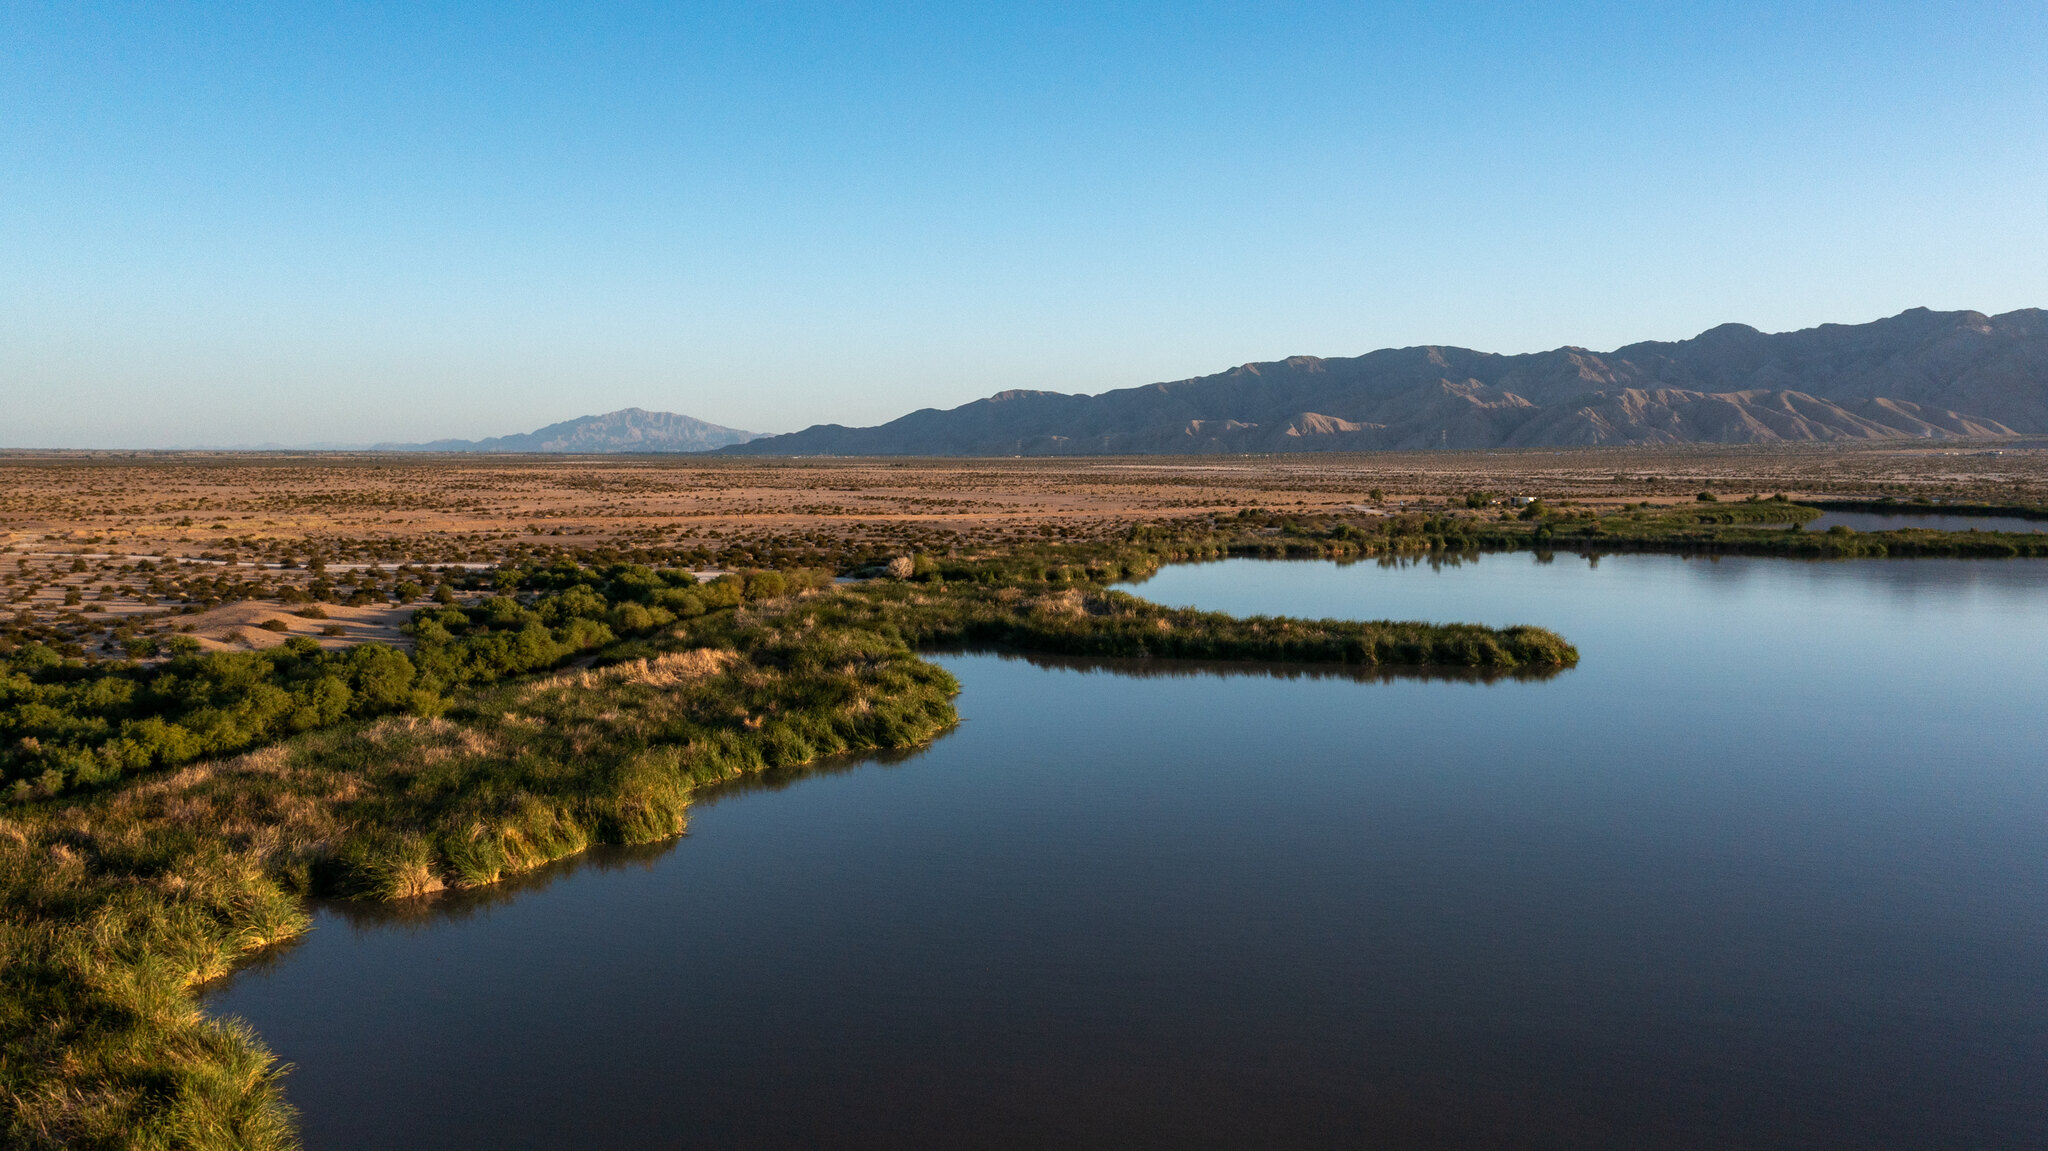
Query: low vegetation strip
(1751, 527)
(1763, 527)
(163, 820)
(1888, 505)
(1098, 622)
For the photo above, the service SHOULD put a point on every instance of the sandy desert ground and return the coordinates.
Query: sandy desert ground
(109, 549)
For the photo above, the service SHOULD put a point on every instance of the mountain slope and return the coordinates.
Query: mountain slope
(626, 430)
(1915, 375)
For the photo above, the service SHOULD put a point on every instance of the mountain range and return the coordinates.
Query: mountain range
(626, 430)
(1915, 375)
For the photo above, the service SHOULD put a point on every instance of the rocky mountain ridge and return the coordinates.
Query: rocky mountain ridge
(1919, 374)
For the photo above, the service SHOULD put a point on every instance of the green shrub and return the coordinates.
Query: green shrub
(579, 602)
(725, 591)
(684, 603)
(634, 582)
(630, 617)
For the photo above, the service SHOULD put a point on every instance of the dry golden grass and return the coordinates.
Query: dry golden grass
(662, 671)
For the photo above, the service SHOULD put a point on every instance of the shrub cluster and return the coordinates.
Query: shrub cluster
(65, 724)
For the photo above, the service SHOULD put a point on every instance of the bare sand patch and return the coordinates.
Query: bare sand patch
(238, 626)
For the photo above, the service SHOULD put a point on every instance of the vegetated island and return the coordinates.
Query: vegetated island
(167, 818)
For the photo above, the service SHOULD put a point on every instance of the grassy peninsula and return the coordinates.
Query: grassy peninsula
(164, 820)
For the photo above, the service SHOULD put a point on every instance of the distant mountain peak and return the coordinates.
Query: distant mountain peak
(1728, 332)
(625, 430)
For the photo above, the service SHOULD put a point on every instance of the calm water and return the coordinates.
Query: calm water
(1886, 521)
(1769, 869)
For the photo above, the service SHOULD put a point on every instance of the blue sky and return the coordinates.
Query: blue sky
(352, 222)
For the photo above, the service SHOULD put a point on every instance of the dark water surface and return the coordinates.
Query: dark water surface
(1770, 869)
(1931, 521)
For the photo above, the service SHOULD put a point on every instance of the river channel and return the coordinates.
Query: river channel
(1768, 869)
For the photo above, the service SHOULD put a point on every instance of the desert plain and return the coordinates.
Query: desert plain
(108, 554)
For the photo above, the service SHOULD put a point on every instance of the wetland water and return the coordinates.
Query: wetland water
(1932, 521)
(1770, 868)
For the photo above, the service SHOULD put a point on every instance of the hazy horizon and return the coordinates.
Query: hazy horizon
(247, 225)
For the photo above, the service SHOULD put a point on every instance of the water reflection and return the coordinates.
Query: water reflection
(783, 778)
(1924, 521)
(1152, 668)
(456, 905)
(1767, 869)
